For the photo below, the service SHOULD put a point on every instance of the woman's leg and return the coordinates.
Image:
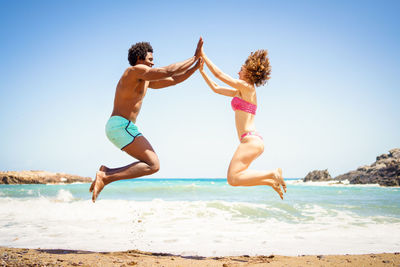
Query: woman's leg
(148, 164)
(239, 175)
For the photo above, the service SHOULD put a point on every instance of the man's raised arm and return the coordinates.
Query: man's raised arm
(175, 79)
(151, 74)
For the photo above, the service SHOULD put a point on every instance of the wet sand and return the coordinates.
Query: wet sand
(60, 257)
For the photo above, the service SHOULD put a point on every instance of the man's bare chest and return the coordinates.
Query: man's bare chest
(141, 89)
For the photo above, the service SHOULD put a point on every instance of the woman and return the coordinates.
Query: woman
(255, 72)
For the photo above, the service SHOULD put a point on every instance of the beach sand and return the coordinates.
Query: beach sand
(60, 257)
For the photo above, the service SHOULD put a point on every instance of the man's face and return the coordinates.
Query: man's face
(148, 60)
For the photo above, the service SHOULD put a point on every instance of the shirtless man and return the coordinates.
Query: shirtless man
(121, 128)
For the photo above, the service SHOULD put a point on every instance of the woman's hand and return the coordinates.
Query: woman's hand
(201, 62)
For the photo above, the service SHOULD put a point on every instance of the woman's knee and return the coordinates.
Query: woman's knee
(233, 180)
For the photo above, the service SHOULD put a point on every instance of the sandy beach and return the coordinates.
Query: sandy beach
(60, 257)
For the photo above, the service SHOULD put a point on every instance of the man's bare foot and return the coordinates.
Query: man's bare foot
(103, 169)
(98, 185)
(92, 186)
(277, 187)
(279, 178)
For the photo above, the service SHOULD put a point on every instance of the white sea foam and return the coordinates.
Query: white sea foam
(64, 196)
(344, 183)
(206, 228)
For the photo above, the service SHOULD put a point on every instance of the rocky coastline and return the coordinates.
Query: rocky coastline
(40, 177)
(318, 175)
(385, 171)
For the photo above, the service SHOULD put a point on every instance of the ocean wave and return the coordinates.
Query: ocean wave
(344, 183)
(201, 218)
(64, 196)
(206, 228)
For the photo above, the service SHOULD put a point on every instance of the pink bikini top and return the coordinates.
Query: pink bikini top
(240, 104)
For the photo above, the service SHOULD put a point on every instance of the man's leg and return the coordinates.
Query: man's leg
(148, 164)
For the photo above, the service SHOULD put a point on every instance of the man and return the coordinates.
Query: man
(121, 128)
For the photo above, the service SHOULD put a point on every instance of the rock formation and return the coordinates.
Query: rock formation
(40, 177)
(318, 175)
(385, 171)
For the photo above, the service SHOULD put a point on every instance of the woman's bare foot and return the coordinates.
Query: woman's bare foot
(279, 178)
(277, 187)
(98, 185)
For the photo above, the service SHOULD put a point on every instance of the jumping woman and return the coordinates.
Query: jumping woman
(254, 72)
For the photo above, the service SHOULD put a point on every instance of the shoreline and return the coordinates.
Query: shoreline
(62, 257)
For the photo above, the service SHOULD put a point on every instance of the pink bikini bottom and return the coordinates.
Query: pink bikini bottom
(250, 133)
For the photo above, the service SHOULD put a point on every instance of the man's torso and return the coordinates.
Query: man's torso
(129, 96)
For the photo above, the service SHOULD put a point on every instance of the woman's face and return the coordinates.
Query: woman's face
(242, 73)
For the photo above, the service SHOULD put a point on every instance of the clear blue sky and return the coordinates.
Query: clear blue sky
(332, 102)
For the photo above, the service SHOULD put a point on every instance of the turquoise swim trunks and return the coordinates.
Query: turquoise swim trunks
(121, 132)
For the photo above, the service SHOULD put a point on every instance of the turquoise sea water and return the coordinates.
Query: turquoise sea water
(202, 217)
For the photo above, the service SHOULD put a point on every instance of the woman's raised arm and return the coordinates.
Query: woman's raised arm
(235, 83)
(215, 87)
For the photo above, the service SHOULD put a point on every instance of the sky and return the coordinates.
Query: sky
(332, 101)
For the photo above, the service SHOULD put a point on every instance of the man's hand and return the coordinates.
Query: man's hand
(198, 49)
(200, 62)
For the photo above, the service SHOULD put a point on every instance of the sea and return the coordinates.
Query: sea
(203, 217)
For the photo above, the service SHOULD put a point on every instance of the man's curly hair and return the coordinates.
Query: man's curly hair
(257, 67)
(138, 51)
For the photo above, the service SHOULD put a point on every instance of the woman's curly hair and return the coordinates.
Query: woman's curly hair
(138, 51)
(258, 70)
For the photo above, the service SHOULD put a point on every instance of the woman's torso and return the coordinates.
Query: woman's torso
(245, 120)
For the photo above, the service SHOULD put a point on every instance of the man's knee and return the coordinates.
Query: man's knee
(154, 166)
